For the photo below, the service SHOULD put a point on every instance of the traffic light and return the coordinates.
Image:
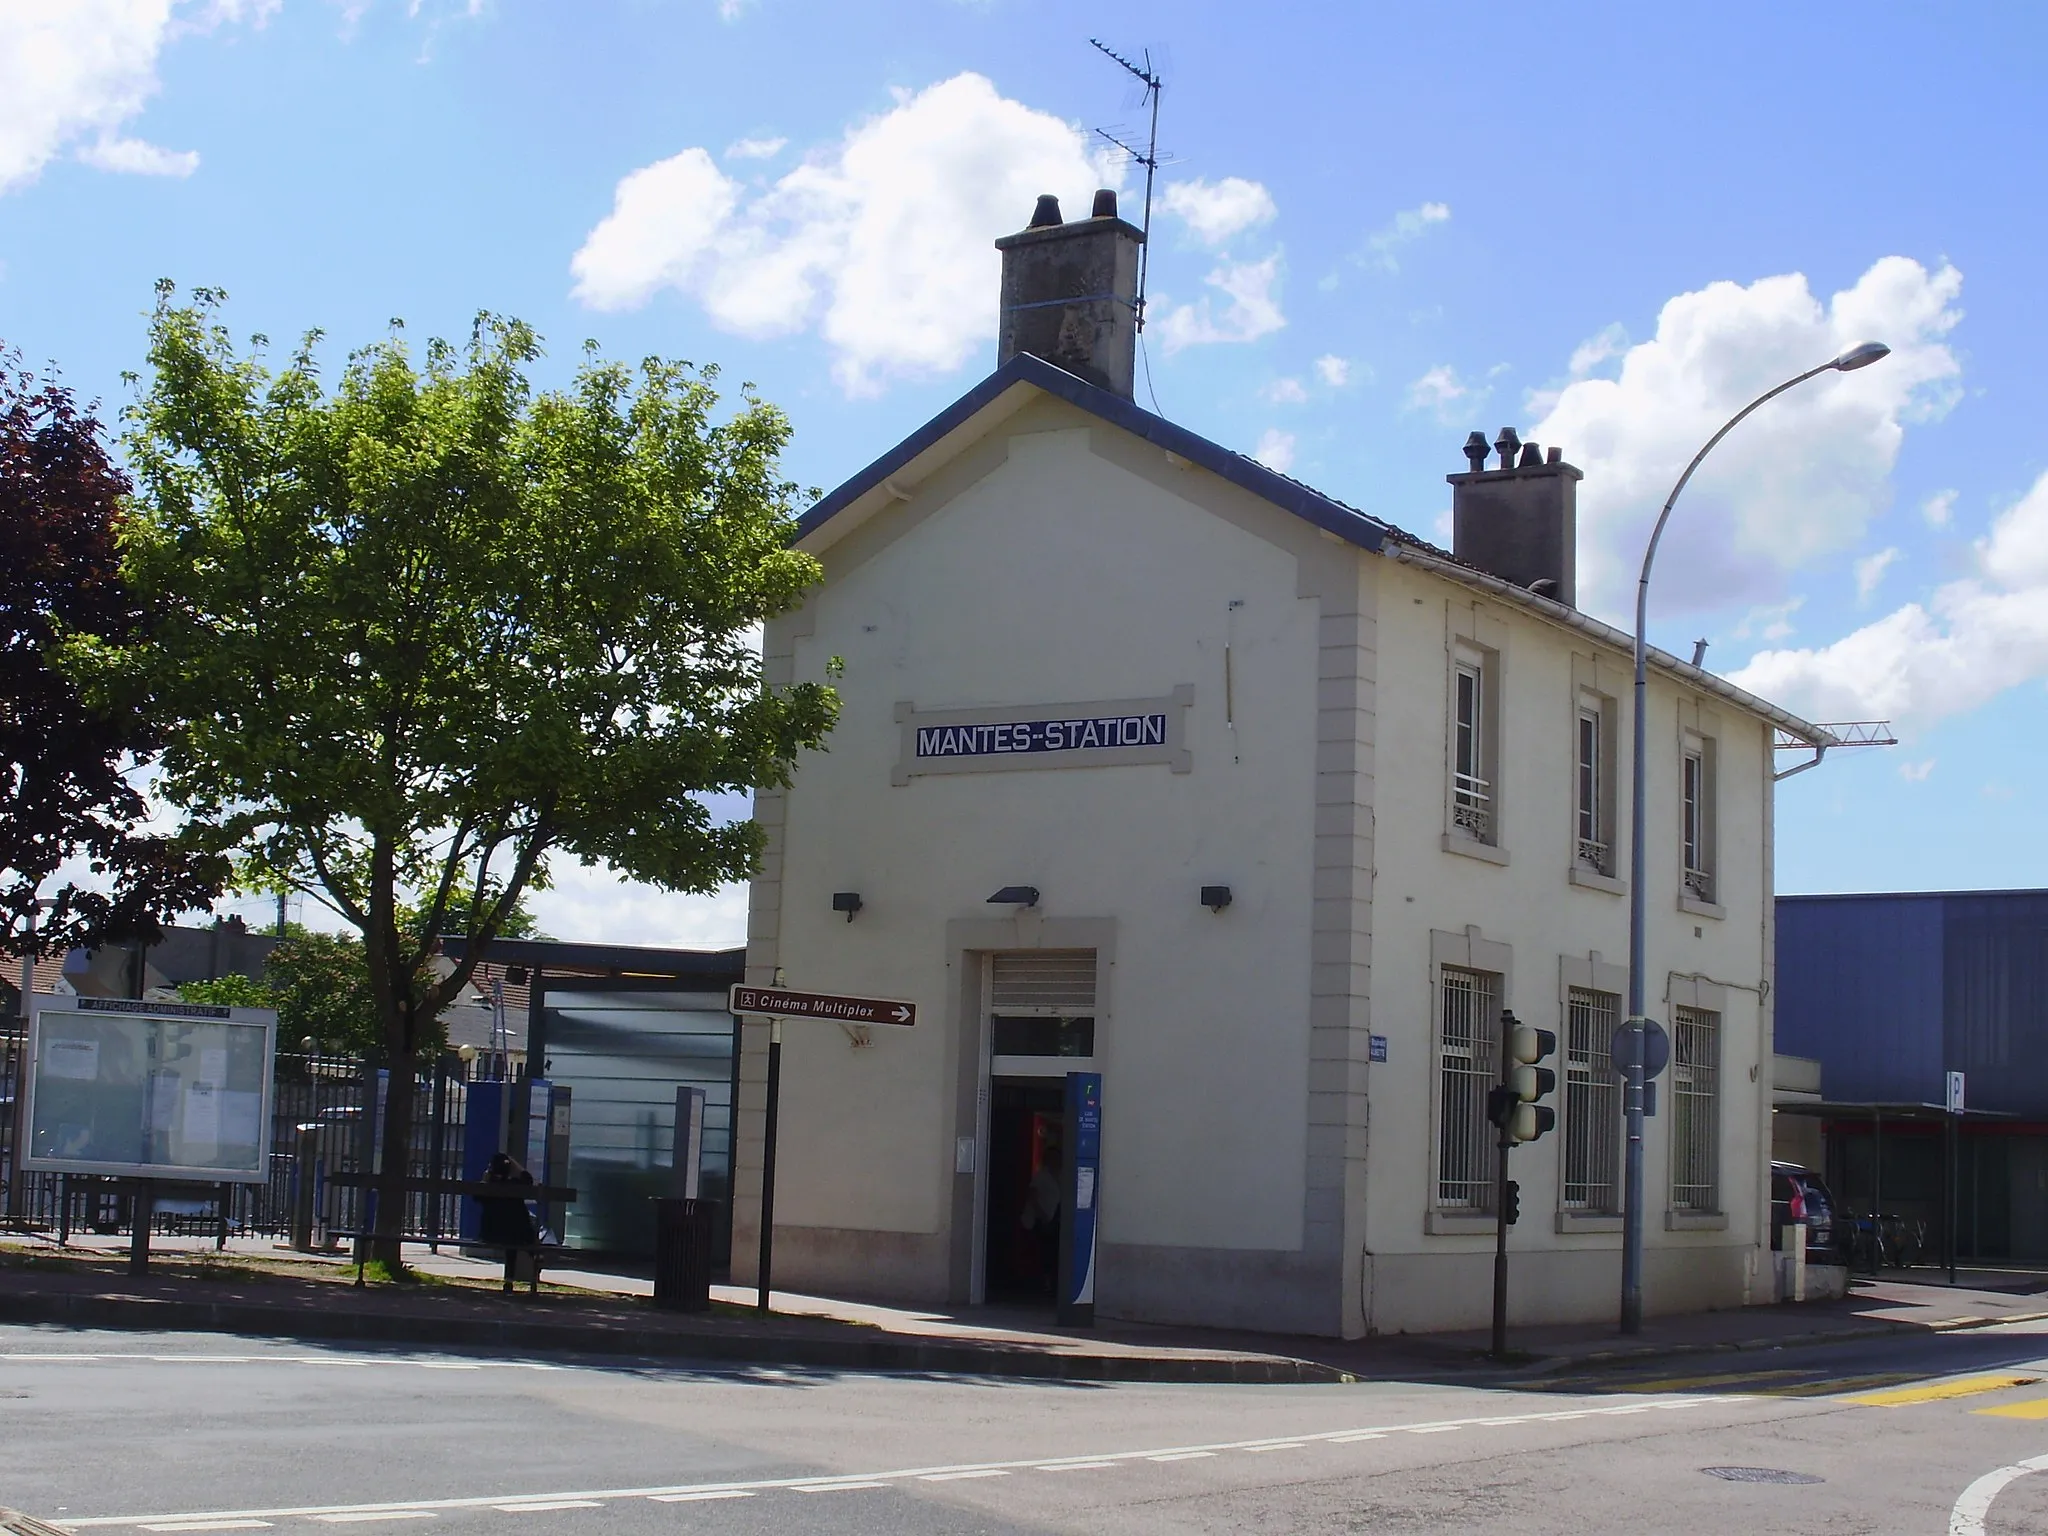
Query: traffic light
(1513, 1208)
(1529, 1081)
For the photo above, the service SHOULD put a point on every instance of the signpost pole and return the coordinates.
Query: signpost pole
(761, 1279)
(145, 1213)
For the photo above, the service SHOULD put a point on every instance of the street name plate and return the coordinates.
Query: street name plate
(783, 1003)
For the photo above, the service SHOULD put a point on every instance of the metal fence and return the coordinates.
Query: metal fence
(319, 1126)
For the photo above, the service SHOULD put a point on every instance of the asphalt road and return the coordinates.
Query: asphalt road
(156, 1432)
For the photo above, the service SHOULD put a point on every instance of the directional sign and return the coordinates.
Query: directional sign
(785, 1004)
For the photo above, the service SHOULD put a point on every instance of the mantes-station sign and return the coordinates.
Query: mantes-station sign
(782, 1003)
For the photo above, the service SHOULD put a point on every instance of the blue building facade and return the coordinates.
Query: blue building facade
(1890, 993)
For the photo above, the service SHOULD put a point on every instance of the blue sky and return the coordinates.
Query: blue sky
(1384, 226)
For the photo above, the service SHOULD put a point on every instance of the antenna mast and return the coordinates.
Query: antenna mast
(1149, 159)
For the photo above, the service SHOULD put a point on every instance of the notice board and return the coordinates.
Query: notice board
(149, 1090)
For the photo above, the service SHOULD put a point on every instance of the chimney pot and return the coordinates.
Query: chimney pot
(1047, 213)
(1532, 456)
(1476, 451)
(1555, 456)
(1508, 441)
(1105, 204)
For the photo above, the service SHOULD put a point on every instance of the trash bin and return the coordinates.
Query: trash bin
(682, 1254)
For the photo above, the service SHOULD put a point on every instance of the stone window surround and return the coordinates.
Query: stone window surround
(1591, 973)
(1682, 991)
(1599, 681)
(1476, 636)
(1470, 950)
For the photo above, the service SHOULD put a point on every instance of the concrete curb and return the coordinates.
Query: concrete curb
(1641, 1352)
(883, 1353)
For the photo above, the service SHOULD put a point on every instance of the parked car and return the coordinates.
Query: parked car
(1799, 1195)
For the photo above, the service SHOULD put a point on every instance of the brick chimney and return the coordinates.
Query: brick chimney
(1070, 293)
(1519, 520)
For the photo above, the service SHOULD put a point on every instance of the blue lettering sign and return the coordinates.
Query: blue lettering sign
(1093, 734)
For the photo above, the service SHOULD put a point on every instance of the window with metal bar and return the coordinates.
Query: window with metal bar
(1468, 1056)
(1695, 1110)
(1471, 786)
(1592, 1104)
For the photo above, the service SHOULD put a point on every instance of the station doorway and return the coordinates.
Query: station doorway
(1025, 1159)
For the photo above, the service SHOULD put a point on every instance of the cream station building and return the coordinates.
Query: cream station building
(1155, 763)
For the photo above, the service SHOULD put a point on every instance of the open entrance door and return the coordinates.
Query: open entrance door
(1025, 1165)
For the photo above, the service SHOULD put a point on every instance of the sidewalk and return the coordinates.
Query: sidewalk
(589, 1312)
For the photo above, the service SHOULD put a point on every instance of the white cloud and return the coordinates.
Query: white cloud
(1939, 509)
(600, 905)
(1276, 450)
(1407, 225)
(1333, 370)
(137, 157)
(1215, 210)
(754, 149)
(72, 72)
(1870, 571)
(1973, 639)
(1609, 342)
(1770, 621)
(1253, 310)
(1799, 480)
(1916, 773)
(883, 241)
(1442, 391)
(1285, 392)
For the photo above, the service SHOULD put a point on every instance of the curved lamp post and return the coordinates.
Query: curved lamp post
(1632, 1093)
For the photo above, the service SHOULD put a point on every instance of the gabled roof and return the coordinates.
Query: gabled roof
(1024, 372)
(1348, 523)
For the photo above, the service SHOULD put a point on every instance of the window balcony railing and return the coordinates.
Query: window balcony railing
(1472, 807)
(1699, 885)
(1595, 855)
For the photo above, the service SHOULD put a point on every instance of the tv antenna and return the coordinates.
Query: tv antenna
(1149, 159)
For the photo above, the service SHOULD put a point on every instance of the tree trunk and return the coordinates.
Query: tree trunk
(395, 1138)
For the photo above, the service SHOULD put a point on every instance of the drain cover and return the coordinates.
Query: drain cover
(1760, 1475)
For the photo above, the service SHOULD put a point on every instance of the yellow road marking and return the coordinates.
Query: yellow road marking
(1938, 1391)
(1829, 1386)
(2035, 1409)
(1690, 1383)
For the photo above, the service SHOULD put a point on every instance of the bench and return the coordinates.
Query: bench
(474, 1189)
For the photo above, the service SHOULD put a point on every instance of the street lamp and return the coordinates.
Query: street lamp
(1632, 1094)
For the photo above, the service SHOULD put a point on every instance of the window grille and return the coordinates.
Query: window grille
(1699, 876)
(1043, 981)
(1592, 824)
(1592, 1104)
(1471, 804)
(1695, 1110)
(1469, 1064)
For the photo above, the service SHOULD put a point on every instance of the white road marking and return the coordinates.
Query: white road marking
(546, 1506)
(8, 1357)
(208, 1525)
(701, 1495)
(1277, 1445)
(583, 1498)
(842, 1487)
(1967, 1519)
(1078, 1466)
(961, 1477)
(376, 1514)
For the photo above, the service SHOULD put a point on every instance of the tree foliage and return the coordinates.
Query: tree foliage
(65, 791)
(428, 630)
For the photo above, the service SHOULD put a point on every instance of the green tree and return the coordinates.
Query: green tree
(434, 628)
(233, 990)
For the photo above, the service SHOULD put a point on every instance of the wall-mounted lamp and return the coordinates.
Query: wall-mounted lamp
(1015, 896)
(847, 902)
(1215, 897)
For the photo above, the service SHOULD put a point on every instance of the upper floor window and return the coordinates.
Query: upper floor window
(1475, 791)
(1592, 790)
(1697, 817)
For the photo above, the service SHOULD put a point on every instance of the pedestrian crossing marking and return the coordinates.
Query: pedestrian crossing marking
(1941, 1391)
(2034, 1408)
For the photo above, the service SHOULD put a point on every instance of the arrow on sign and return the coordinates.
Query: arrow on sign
(782, 1003)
